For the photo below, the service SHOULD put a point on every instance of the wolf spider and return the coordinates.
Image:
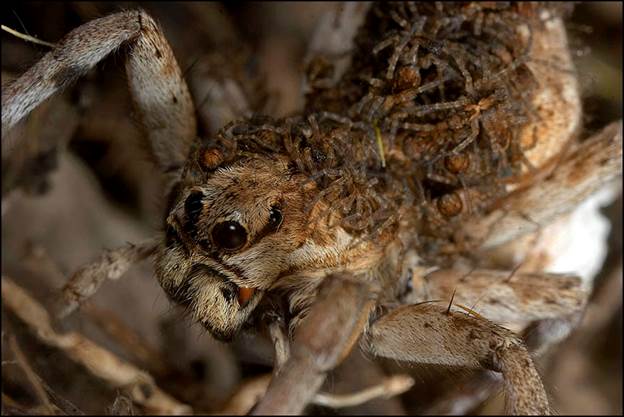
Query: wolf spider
(351, 222)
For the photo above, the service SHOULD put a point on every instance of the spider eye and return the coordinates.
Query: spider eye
(193, 205)
(229, 235)
(275, 217)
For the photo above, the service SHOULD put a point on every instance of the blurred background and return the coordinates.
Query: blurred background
(92, 187)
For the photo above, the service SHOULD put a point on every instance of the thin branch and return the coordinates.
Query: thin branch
(27, 37)
(254, 389)
(391, 386)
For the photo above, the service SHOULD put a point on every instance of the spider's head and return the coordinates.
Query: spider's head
(228, 237)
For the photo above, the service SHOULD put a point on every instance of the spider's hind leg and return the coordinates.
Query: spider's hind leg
(561, 187)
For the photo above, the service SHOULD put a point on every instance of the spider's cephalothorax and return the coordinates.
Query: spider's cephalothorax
(225, 235)
(236, 226)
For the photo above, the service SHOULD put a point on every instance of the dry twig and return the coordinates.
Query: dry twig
(118, 373)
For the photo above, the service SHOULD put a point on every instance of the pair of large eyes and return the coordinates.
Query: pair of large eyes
(229, 235)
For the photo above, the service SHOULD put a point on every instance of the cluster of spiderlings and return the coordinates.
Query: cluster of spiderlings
(442, 81)
(430, 109)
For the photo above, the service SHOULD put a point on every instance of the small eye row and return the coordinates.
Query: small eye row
(229, 235)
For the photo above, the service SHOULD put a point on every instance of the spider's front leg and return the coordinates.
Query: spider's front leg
(435, 334)
(158, 89)
(325, 337)
(544, 308)
(550, 304)
(160, 96)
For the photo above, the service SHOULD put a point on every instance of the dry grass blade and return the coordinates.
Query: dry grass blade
(247, 396)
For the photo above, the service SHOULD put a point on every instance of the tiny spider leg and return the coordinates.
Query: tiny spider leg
(159, 92)
(279, 337)
(430, 333)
